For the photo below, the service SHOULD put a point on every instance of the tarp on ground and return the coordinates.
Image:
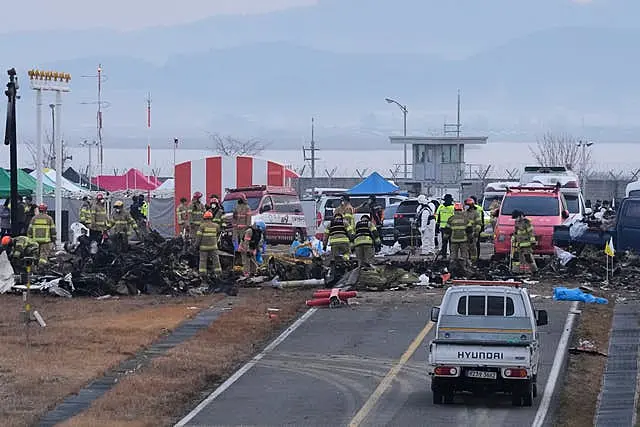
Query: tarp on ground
(24, 189)
(132, 180)
(374, 184)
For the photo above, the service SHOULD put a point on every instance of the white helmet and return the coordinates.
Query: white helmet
(422, 199)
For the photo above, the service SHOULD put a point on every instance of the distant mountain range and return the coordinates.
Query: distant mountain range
(523, 68)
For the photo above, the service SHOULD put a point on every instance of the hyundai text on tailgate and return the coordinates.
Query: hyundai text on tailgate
(486, 341)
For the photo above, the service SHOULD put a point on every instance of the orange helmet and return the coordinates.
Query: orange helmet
(457, 206)
(214, 200)
(469, 201)
(207, 215)
(42, 208)
(197, 195)
(99, 196)
(6, 240)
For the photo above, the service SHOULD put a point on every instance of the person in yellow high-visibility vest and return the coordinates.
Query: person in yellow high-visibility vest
(207, 243)
(523, 241)
(366, 240)
(443, 213)
(42, 229)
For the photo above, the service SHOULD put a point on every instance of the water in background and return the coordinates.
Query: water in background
(616, 157)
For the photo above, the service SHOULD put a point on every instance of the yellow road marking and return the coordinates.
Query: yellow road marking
(388, 379)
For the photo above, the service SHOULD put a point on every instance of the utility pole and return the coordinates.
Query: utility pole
(457, 126)
(11, 139)
(312, 157)
(99, 120)
(175, 149)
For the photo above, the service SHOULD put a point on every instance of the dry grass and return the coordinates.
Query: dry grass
(83, 339)
(579, 398)
(178, 378)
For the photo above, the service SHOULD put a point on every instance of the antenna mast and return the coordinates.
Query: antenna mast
(313, 157)
(454, 127)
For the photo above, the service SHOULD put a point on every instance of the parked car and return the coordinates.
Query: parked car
(544, 206)
(327, 204)
(404, 223)
(278, 207)
(387, 231)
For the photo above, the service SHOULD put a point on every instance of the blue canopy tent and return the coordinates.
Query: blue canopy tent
(374, 184)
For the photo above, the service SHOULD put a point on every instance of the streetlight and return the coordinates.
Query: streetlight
(175, 147)
(404, 128)
(584, 145)
(88, 144)
(57, 82)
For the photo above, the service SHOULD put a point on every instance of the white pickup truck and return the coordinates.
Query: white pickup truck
(486, 341)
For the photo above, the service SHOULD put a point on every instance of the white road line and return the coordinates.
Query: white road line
(240, 372)
(543, 409)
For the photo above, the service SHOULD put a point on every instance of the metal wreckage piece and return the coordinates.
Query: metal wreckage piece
(154, 265)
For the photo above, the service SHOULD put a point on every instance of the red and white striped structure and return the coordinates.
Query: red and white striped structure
(212, 175)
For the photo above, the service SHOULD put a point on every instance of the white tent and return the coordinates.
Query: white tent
(49, 177)
(169, 184)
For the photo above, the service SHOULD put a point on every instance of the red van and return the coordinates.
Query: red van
(278, 207)
(544, 206)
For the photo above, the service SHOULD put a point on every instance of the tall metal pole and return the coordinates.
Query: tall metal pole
(89, 172)
(458, 122)
(175, 149)
(58, 194)
(10, 139)
(313, 155)
(39, 145)
(404, 133)
(99, 120)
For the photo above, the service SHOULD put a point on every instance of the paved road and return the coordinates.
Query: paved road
(325, 372)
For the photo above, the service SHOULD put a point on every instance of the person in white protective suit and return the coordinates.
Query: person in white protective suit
(426, 220)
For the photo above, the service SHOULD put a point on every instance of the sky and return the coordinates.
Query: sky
(128, 15)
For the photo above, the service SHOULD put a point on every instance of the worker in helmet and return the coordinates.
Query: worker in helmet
(206, 241)
(19, 248)
(196, 210)
(42, 229)
(217, 210)
(523, 242)
(443, 213)
(252, 242)
(425, 219)
(338, 237)
(121, 225)
(241, 219)
(348, 213)
(461, 231)
(366, 241)
(85, 212)
(476, 216)
(99, 219)
(182, 217)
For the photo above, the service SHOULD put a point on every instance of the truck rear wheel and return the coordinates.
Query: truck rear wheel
(438, 398)
(523, 395)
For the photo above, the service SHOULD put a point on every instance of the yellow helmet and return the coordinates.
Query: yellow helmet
(118, 204)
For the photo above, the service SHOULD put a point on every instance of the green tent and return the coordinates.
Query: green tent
(32, 183)
(24, 189)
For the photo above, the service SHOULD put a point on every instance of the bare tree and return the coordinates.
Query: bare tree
(560, 150)
(33, 151)
(232, 146)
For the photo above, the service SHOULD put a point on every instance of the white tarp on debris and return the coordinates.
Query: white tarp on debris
(563, 256)
(7, 279)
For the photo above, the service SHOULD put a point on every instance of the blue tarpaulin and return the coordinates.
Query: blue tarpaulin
(374, 184)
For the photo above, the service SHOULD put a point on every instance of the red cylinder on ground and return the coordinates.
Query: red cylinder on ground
(326, 293)
(320, 302)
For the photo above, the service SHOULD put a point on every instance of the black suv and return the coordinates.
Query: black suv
(404, 223)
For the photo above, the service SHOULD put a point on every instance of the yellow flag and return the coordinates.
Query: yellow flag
(608, 249)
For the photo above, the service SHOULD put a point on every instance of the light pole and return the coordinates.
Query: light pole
(404, 128)
(53, 130)
(88, 144)
(584, 145)
(58, 83)
(175, 148)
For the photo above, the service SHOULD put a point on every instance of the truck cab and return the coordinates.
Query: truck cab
(486, 341)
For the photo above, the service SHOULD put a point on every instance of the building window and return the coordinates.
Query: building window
(419, 152)
(450, 154)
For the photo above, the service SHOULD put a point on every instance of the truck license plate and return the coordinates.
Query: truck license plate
(482, 374)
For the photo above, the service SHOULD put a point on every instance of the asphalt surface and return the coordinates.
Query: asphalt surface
(328, 368)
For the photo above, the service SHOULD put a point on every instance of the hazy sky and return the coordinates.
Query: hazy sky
(131, 14)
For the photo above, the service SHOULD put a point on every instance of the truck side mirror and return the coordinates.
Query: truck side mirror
(435, 312)
(542, 318)
(565, 214)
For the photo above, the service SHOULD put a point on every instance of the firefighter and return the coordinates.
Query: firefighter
(494, 210)
(338, 237)
(196, 210)
(476, 216)
(366, 241)
(29, 209)
(443, 213)
(99, 219)
(461, 230)
(376, 213)
(42, 229)
(523, 242)
(85, 212)
(20, 247)
(241, 220)
(251, 244)
(182, 217)
(121, 225)
(348, 213)
(207, 243)
(217, 210)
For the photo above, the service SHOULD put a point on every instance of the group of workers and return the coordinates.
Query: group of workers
(344, 234)
(203, 224)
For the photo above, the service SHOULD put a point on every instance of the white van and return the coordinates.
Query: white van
(633, 189)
